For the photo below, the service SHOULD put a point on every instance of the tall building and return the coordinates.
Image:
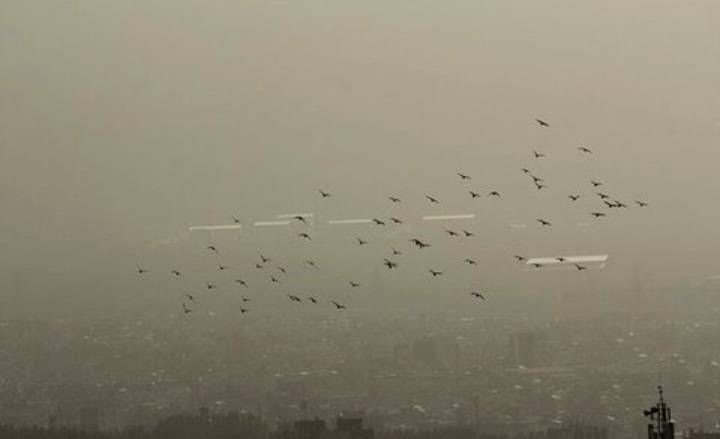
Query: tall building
(661, 425)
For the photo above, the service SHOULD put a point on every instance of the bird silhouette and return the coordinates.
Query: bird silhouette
(176, 273)
(419, 243)
(395, 199)
(258, 266)
(620, 204)
(540, 186)
(361, 241)
(396, 252)
(212, 248)
(282, 270)
(338, 305)
(609, 204)
(641, 203)
(431, 199)
(478, 295)
(468, 234)
(519, 258)
(452, 233)
(243, 310)
(596, 183)
(536, 265)
(390, 264)
(305, 235)
(222, 267)
(574, 197)
(190, 296)
(354, 284)
(435, 273)
(525, 170)
(474, 194)
(494, 194)
(470, 261)
(186, 310)
(544, 222)
(597, 214)
(542, 123)
(396, 220)
(300, 218)
(294, 298)
(463, 176)
(245, 299)
(324, 194)
(211, 286)
(241, 282)
(560, 259)
(580, 267)
(602, 195)
(274, 280)
(585, 149)
(536, 179)
(538, 155)
(313, 300)
(236, 220)
(311, 263)
(141, 270)
(378, 222)
(263, 259)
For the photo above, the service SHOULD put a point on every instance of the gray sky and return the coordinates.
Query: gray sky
(122, 123)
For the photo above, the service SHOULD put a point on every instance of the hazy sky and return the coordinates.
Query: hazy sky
(121, 123)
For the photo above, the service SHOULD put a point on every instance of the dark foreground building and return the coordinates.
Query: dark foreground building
(345, 428)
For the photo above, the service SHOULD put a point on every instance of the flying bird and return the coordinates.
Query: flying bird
(468, 234)
(602, 195)
(540, 186)
(245, 299)
(236, 220)
(190, 296)
(258, 266)
(211, 286)
(544, 222)
(537, 265)
(494, 194)
(419, 243)
(222, 267)
(212, 248)
(597, 214)
(175, 272)
(274, 280)
(580, 267)
(574, 197)
(536, 179)
(293, 298)
(538, 155)
(641, 203)
(300, 218)
(186, 310)
(585, 149)
(474, 194)
(431, 199)
(243, 310)
(361, 241)
(463, 176)
(478, 295)
(241, 282)
(264, 259)
(395, 199)
(313, 300)
(620, 204)
(396, 252)
(305, 235)
(561, 259)
(378, 222)
(390, 264)
(435, 273)
(282, 270)
(324, 194)
(596, 183)
(525, 170)
(470, 261)
(452, 233)
(338, 305)
(519, 258)
(542, 123)
(396, 220)
(141, 270)
(311, 263)
(354, 284)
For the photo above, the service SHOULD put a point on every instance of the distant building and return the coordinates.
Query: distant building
(661, 425)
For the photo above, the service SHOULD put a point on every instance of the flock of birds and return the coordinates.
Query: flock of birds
(390, 262)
